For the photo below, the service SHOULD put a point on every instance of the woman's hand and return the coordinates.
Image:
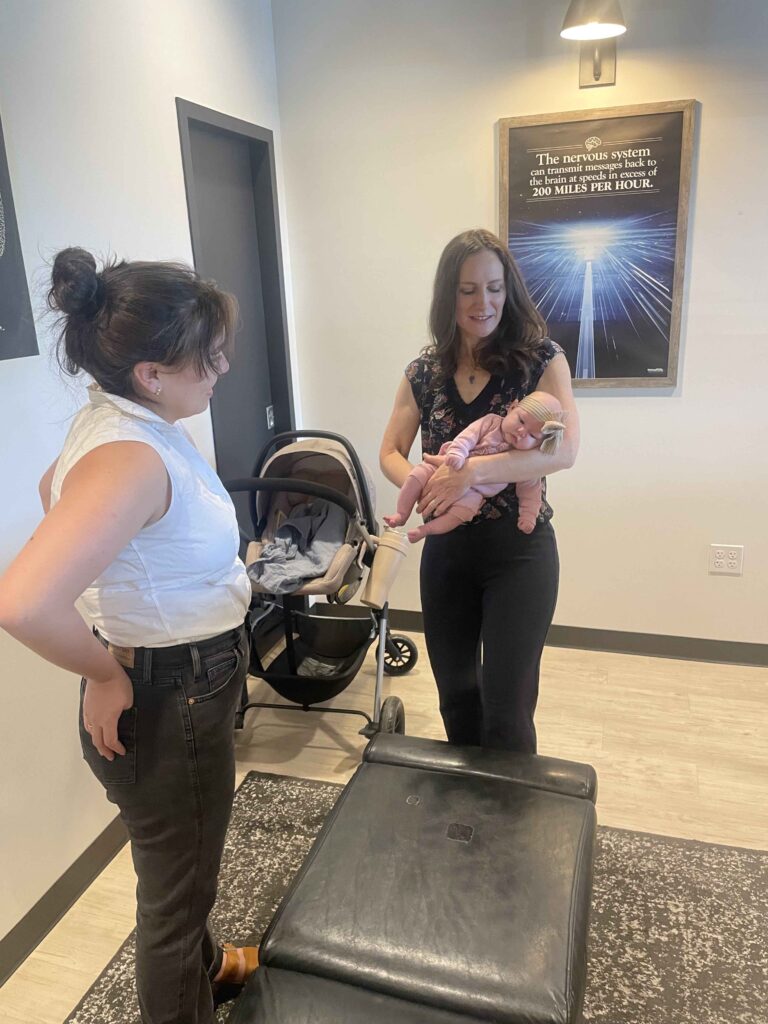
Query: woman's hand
(103, 703)
(445, 487)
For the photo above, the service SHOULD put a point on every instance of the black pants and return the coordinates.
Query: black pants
(174, 789)
(488, 594)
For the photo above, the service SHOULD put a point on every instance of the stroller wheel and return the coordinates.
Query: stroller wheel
(392, 718)
(400, 655)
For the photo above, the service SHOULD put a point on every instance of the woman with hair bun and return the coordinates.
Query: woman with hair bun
(488, 590)
(140, 540)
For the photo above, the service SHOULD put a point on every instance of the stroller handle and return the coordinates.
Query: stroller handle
(252, 485)
(288, 435)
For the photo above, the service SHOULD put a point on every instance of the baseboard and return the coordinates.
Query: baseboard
(22, 939)
(652, 645)
(657, 645)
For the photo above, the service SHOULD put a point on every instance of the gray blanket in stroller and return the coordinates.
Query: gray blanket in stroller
(303, 547)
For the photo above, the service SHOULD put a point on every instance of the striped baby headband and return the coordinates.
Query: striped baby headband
(538, 409)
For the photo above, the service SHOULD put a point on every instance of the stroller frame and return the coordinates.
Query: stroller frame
(395, 655)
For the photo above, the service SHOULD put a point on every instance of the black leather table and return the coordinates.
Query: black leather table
(449, 885)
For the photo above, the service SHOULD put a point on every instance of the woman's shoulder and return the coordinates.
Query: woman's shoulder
(100, 433)
(546, 351)
(543, 354)
(97, 425)
(422, 374)
(423, 368)
(525, 377)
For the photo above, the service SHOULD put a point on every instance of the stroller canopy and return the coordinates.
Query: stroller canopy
(319, 461)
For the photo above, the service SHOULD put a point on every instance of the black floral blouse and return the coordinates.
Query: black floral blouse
(444, 414)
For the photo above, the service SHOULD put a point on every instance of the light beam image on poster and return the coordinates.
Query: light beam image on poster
(591, 210)
(601, 273)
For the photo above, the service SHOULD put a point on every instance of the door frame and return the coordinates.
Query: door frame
(268, 229)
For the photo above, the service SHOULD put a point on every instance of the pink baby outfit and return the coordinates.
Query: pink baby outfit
(481, 437)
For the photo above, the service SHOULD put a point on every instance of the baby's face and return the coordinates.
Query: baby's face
(521, 430)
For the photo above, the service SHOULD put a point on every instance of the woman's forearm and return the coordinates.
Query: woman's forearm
(63, 638)
(513, 467)
(395, 467)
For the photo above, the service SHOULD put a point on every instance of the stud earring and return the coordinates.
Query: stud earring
(158, 389)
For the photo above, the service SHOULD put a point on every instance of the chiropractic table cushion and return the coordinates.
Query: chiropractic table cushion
(449, 885)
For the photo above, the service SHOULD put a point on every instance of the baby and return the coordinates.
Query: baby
(536, 421)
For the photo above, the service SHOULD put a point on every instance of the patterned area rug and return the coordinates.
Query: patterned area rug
(678, 927)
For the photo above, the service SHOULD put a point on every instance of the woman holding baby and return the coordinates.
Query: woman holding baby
(488, 584)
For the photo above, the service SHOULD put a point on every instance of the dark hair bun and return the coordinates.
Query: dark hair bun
(76, 288)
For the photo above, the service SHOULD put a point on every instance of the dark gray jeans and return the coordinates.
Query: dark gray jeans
(174, 789)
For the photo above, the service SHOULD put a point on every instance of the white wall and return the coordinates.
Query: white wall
(388, 113)
(87, 91)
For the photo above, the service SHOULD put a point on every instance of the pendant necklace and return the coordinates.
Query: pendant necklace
(472, 373)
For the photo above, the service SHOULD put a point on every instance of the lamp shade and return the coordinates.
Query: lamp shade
(593, 19)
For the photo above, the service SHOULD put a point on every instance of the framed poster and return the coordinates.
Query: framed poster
(594, 207)
(17, 328)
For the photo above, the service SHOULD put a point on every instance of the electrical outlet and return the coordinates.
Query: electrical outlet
(726, 559)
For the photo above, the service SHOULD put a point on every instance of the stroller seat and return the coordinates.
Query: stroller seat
(323, 462)
(336, 533)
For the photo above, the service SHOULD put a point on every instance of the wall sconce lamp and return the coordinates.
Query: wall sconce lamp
(596, 23)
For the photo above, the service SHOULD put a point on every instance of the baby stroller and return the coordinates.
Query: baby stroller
(323, 653)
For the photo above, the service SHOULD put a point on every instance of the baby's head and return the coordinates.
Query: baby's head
(536, 421)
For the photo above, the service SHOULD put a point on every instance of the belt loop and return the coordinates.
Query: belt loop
(146, 674)
(196, 666)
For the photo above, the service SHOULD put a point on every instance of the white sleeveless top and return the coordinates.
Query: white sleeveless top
(180, 579)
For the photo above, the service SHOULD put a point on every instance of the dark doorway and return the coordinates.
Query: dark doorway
(229, 173)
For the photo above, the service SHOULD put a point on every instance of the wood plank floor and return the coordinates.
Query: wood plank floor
(680, 748)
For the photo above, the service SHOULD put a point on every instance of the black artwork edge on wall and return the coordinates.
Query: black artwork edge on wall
(18, 337)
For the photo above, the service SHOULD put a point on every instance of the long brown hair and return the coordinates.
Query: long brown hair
(129, 313)
(514, 343)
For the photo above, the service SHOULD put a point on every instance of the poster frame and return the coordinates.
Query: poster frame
(687, 108)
